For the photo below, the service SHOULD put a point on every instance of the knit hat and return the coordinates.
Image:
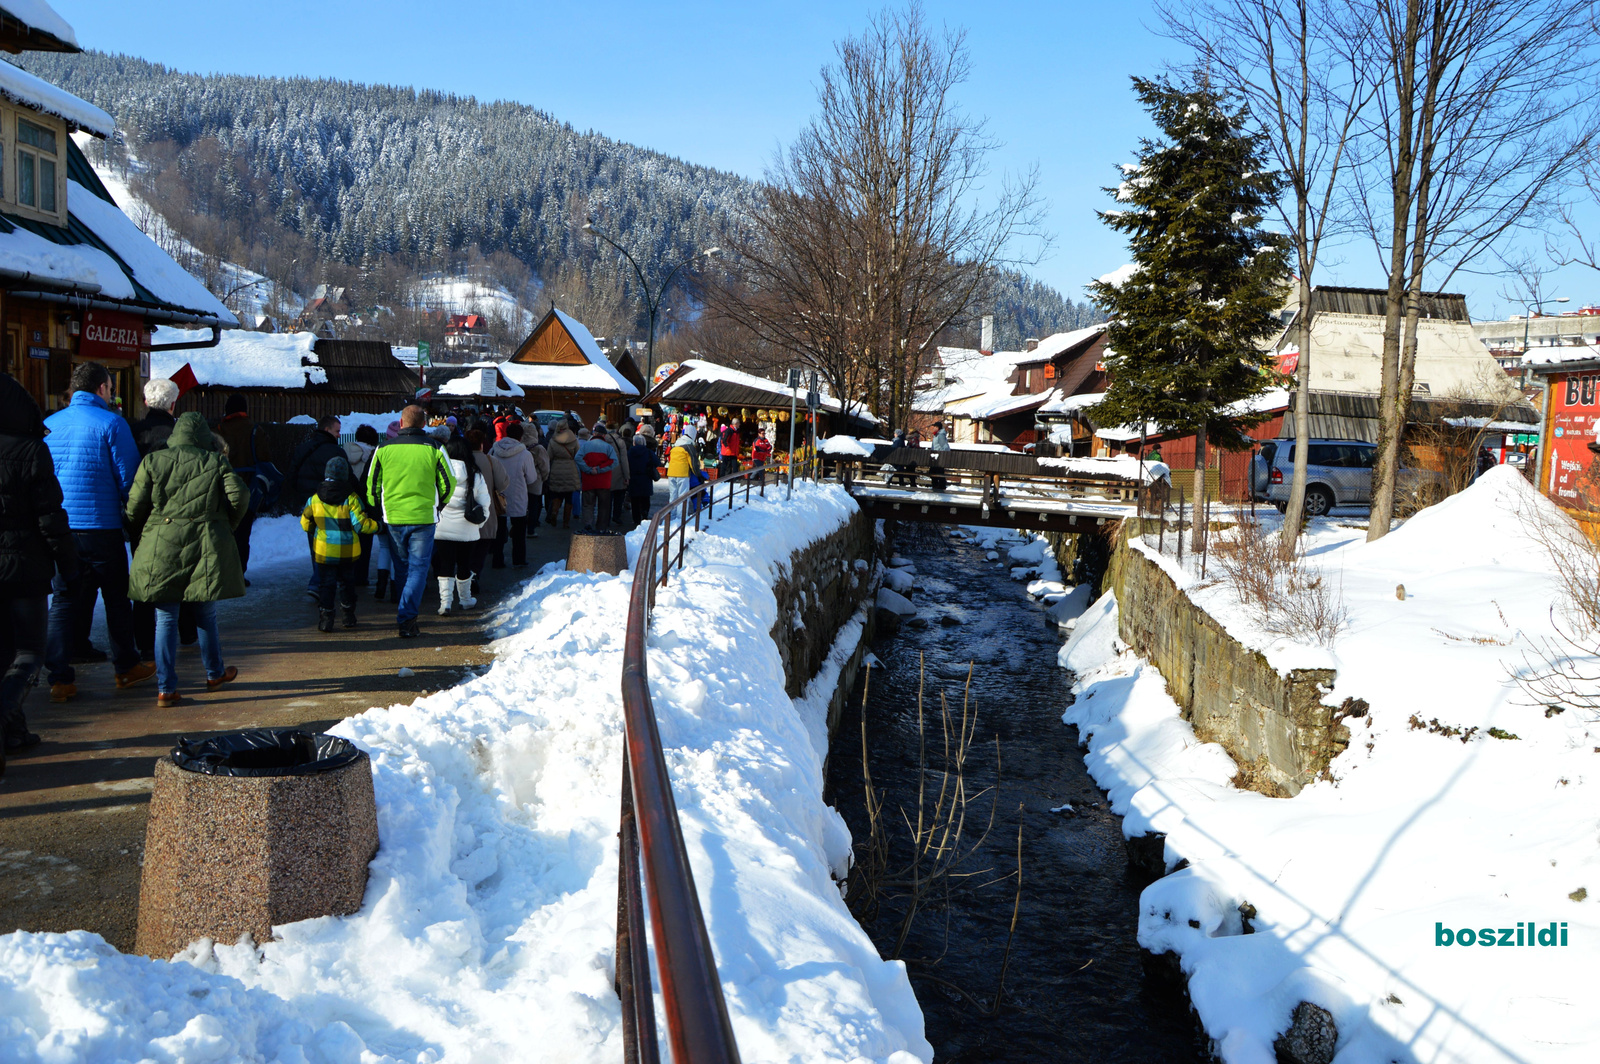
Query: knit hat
(647, 430)
(336, 469)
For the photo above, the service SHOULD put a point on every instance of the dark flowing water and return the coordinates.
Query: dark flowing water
(1078, 987)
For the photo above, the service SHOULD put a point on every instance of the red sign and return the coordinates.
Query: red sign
(1574, 424)
(1288, 362)
(111, 334)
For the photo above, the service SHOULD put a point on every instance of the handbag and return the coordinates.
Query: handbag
(473, 512)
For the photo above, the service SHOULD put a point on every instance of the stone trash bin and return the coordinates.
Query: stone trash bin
(251, 829)
(597, 552)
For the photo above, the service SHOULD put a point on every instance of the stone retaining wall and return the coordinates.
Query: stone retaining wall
(1275, 727)
(818, 594)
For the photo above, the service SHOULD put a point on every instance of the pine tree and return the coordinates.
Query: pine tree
(1186, 327)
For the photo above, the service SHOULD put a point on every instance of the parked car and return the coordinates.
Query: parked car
(1338, 473)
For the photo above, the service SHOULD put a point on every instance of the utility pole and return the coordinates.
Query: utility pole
(794, 413)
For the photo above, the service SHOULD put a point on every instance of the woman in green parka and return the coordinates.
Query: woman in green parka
(182, 510)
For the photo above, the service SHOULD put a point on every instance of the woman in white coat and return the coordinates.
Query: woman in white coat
(455, 538)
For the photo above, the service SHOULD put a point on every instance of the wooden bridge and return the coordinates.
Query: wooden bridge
(1002, 489)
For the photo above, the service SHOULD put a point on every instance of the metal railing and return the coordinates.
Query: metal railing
(698, 1028)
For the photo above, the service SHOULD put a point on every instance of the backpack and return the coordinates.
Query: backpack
(265, 480)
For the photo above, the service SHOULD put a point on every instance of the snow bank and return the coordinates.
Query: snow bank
(487, 932)
(1414, 831)
(845, 445)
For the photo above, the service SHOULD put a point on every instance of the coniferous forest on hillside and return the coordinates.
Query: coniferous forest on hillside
(378, 188)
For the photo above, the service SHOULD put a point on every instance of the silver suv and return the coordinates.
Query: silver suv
(1338, 473)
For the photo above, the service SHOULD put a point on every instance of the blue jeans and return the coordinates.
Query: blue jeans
(103, 561)
(205, 620)
(410, 551)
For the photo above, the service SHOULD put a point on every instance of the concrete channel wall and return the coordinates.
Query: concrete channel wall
(1275, 727)
(817, 595)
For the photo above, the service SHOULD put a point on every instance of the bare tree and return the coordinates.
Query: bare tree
(871, 240)
(1306, 86)
(1483, 104)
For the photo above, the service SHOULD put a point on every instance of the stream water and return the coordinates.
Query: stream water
(1078, 988)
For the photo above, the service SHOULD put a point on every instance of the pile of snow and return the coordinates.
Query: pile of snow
(1125, 466)
(487, 931)
(848, 446)
(248, 360)
(1416, 832)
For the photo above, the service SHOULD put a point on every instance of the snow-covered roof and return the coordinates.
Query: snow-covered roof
(1492, 426)
(1556, 355)
(598, 375)
(1071, 404)
(1055, 343)
(696, 371)
(247, 360)
(63, 264)
(33, 91)
(997, 403)
(40, 17)
(471, 384)
(152, 267)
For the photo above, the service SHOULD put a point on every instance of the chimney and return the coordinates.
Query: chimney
(986, 335)
(1031, 344)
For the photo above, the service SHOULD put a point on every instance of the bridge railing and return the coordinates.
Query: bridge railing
(698, 1028)
(977, 478)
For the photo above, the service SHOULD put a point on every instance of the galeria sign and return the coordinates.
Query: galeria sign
(111, 334)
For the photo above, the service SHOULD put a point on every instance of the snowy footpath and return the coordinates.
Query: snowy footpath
(487, 931)
(1439, 895)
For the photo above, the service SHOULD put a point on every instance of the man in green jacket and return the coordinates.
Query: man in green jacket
(408, 480)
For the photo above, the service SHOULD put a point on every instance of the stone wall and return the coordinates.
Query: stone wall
(1275, 727)
(820, 591)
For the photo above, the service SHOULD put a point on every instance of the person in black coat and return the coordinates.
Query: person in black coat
(304, 476)
(644, 462)
(35, 544)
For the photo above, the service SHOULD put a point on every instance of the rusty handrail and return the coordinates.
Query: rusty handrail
(698, 1028)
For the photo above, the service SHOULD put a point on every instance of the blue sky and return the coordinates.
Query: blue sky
(725, 84)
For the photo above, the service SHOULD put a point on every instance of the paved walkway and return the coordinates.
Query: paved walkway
(73, 810)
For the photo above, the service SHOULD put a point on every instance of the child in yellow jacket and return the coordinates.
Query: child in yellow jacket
(334, 512)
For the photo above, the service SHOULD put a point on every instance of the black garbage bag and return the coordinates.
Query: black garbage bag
(265, 752)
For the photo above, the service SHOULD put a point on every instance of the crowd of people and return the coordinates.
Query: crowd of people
(444, 496)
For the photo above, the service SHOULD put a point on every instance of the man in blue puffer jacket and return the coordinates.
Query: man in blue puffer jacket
(95, 458)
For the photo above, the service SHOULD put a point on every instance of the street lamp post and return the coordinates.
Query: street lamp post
(1527, 320)
(652, 300)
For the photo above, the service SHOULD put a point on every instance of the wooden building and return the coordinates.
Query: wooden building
(699, 388)
(285, 375)
(1000, 397)
(78, 280)
(561, 367)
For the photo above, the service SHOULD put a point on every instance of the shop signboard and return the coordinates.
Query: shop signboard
(1574, 469)
(111, 334)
